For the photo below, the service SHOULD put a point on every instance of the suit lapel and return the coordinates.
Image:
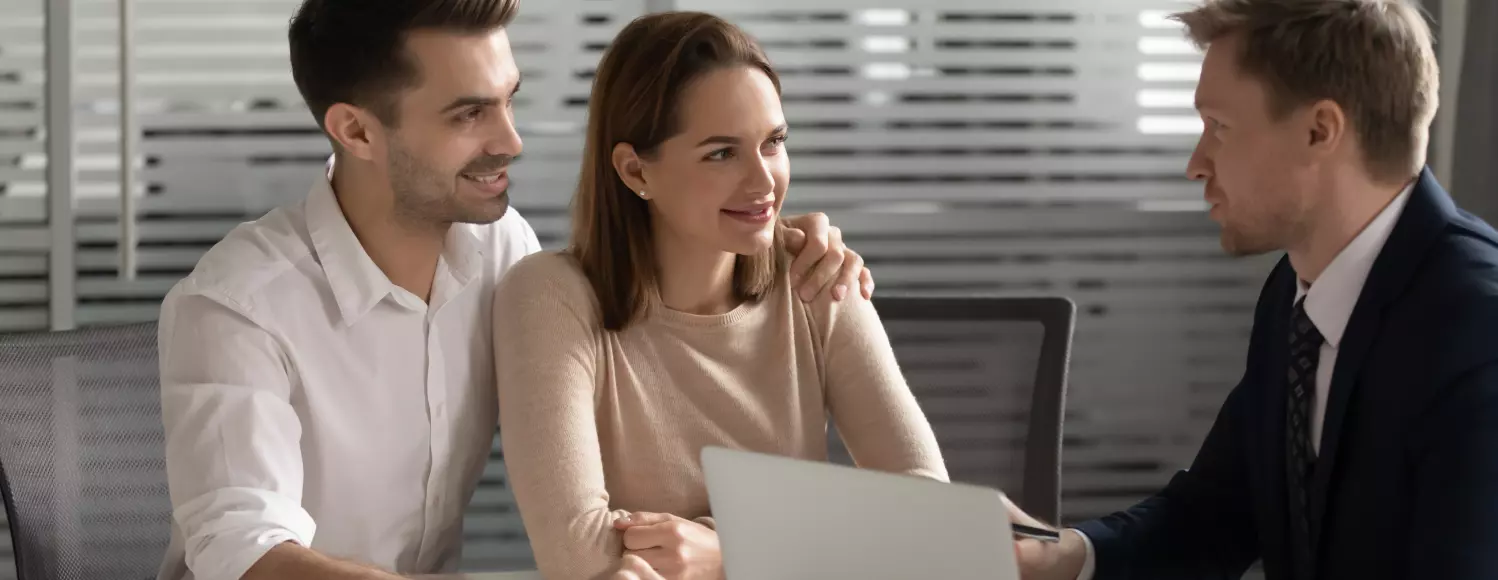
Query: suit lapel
(1273, 408)
(1428, 211)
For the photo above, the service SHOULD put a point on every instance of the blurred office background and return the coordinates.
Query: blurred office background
(1020, 147)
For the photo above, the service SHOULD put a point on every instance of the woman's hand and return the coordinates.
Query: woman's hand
(634, 568)
(676, 548)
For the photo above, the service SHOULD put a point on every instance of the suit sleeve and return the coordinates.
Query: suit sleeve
(1199, 526)
(1454, 462)
(1202, 524)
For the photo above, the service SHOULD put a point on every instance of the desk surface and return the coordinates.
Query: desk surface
(486, 576)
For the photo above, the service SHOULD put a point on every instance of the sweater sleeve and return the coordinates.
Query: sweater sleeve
(875, 413)
(546, 360)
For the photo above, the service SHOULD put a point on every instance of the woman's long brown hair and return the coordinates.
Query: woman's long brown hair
(636, 94)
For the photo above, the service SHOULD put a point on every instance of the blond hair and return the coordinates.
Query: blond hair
(1374, 58)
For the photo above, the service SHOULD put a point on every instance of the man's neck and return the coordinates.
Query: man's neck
(693, 279)
(407, 253)
(1347, 208)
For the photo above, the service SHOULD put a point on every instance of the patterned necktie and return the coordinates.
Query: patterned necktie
(1305, 352)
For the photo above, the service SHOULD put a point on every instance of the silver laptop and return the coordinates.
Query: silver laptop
(787, 519)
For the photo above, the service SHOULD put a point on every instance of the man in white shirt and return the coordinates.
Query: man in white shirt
(1362, 441)
(327, 379)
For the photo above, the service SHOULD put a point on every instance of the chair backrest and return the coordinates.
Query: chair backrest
(990, 375)
(82, 468)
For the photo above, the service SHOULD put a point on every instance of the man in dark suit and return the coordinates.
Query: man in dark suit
(1362, 441)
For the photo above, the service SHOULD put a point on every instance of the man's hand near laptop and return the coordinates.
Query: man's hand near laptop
(1040, 560)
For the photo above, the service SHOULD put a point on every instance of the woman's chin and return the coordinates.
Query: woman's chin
(752, 245)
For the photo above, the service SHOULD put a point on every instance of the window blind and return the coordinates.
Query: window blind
(1013, 147)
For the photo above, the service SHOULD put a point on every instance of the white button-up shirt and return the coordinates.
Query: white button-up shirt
(1330, 300)
(307, 398)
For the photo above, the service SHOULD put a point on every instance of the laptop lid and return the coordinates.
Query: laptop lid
(782, 518)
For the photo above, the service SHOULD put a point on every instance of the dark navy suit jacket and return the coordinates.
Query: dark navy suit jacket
(1406, 484)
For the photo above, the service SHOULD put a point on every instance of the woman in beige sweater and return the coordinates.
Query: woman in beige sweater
(670, 324)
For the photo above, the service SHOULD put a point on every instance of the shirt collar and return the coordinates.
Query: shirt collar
(463, 252)
(1330, 300)
(358, 283)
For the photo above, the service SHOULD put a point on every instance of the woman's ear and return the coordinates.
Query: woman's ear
(631, 169)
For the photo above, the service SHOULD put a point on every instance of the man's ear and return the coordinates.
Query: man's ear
(1326, 128)
(354, 129)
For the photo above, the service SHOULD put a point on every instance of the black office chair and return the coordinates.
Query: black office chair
(990, 374)
(82, 471)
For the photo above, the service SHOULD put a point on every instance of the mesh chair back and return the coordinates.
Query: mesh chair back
(82, 471)
(990, 375)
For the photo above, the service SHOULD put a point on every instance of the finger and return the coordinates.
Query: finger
(852, 269)
(647, 537)
(1019, 516)
(816, 230)
(659, 560)
(633, 562)
(866, 282)
(821, 279)
(1033, 557)
(794, 239)
(623, 574)
(836, 253)
(641, 519)
(1025, 554)
(633, 567)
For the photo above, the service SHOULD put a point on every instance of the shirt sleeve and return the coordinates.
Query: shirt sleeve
(876, 415)
(233, 455)
(1089, 566)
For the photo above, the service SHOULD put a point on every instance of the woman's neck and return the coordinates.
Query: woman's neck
(694, 279)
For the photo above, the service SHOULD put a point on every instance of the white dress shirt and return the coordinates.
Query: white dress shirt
(307, 398)
(1329, 303)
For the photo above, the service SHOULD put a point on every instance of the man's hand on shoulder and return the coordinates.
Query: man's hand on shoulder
(821, 263)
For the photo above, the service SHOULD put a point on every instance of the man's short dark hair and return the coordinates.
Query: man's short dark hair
(353, 51)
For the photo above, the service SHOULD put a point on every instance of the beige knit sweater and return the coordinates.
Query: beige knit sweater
(597, 423)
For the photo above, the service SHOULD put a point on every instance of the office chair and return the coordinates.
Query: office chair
(990, 375)
(82, 470)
